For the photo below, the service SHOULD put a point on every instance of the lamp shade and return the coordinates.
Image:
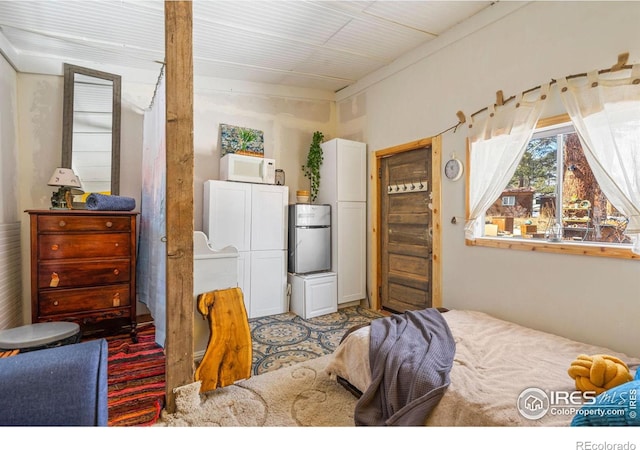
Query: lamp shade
(64, 177)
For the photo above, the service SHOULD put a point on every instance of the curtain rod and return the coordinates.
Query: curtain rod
(620, 65)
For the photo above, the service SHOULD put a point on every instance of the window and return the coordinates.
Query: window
(509, 200)
(554, 196)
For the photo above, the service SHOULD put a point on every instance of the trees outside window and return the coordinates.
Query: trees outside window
(554, 190)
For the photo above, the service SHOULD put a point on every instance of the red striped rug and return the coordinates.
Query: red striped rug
(136, 379)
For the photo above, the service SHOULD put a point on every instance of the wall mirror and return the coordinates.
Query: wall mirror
(91, 128)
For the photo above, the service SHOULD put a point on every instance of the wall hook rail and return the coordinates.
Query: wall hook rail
(407, 187)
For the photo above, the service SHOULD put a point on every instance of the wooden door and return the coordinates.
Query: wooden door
(406, 233)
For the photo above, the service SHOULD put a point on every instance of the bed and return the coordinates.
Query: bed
(495, 361)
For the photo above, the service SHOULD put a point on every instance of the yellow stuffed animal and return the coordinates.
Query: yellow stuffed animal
(598, 372)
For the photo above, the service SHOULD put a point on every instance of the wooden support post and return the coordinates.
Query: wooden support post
(179, 148)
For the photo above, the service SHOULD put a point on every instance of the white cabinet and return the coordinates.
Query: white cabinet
(351, 250)
(244, 278)
(343, 185)
(269, 211)
(252, 218)
(268, 283)
(343, 174)
(313, 295)
(227, 214)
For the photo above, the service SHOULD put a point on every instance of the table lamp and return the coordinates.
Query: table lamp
(69, 185)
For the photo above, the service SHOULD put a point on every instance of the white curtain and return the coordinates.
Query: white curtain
(496, 145)
(605, 110)
(151, 264)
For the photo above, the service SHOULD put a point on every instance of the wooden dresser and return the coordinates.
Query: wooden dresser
(83, 269)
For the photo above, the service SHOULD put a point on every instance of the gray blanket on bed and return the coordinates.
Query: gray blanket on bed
(410, 355)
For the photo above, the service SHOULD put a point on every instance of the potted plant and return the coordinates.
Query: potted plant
(311, 170)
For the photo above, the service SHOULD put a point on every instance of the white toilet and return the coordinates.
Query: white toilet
(212, 270)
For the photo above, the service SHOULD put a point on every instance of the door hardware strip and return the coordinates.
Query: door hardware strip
(407, 187)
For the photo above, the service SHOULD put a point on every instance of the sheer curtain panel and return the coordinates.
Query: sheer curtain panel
(605, 110)
(496, 145)
(152, 255)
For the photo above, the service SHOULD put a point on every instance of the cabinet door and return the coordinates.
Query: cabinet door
(343, 172)
(244, 279)
(351, 249)
(351, 165)
(269, 217)
(268, 283)
(227, 214)
(321, 296)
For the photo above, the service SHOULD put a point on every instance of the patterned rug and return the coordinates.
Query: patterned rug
(285, 339)
(136, 379)
(136, 371)
(300, 395)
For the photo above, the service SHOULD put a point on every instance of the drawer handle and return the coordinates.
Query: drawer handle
(116, 299)
(55, 280)
(109, 224)
(62, 223)
(116, 244)
(116, 272)
(55, 247)
(55, 303)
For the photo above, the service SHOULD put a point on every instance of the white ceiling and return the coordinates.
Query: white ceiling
(324, 45)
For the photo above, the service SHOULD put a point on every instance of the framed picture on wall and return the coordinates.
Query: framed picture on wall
(241, 140)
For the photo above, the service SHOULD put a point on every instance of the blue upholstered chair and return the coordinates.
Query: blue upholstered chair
(58, 386)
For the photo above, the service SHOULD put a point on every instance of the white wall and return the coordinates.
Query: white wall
(288, 117)
(587, 298)
(40, 140)
(8, 143)
(40, 146)
(10, 279)
(596, 300)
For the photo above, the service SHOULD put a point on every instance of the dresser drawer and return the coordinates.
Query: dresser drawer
(61, 301)
(84, 318)
(83, 269)
(66, 274)
(59, 246)
(63, 223)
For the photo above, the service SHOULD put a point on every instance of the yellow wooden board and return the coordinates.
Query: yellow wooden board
(228, 356)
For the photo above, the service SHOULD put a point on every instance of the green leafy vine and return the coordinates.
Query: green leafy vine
(311, 170)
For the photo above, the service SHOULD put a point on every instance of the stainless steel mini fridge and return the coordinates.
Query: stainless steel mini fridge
(309, 238)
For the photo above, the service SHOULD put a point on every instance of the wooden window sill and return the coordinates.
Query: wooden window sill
(564, 247)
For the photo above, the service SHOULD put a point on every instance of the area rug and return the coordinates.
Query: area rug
(299, 395)
(136, 371)
(136, 379)
(285, 339)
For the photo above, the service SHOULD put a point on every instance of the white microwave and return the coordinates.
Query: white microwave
(250, 169)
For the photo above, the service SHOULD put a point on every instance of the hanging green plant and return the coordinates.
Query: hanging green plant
(311, 170)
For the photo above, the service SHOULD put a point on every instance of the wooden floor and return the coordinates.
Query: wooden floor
(144, 318)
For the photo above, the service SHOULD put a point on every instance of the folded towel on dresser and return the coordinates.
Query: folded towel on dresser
(101, 202)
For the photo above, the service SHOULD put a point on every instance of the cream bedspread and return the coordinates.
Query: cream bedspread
(495, 361)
